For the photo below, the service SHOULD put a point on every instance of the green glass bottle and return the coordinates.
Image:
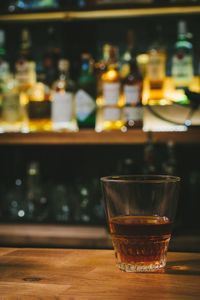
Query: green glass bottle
(86, 94)
(182, 60)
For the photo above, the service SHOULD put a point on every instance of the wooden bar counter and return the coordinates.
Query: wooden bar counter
(92, 274)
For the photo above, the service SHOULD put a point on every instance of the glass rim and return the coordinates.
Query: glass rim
(141, 179)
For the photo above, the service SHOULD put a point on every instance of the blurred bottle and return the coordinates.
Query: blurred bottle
(169, 166)
(48, 67)
(182, 68)
(132, 83)
(156, 69)
(109, 114)
(39, 108)
(4, 66)
(111, 79)
(61, 203)
(63, 110)
(25, 5)
(13, 110)
(43, 4)
(82, 207)
(37, 204)
(25, 66)
(150, 166)
(14, 198)
(100, 67)
(97, 208)
(86, 94)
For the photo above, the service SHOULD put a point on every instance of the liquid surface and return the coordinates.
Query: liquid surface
(136, 225)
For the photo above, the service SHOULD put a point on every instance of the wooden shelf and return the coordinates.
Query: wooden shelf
(99, 14)
(90, 137)
(54, 236)
(40, 235)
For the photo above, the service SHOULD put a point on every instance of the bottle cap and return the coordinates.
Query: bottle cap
(63, 64)
(86, 56)
(182, 27)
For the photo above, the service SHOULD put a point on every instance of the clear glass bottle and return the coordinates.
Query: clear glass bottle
(63, 110)
(86, 94)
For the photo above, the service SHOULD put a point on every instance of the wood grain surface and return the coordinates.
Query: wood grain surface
(92, 274)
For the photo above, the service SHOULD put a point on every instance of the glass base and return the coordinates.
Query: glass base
(142, 267)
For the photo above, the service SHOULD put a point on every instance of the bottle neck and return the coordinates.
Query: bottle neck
(63, 75)
(2, 50)
(2, 44)
(25, 46)
(86, 67)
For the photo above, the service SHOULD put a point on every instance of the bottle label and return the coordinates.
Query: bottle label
(112, 114)
(39, 109)
(11, 108)
(62, 107)
(132, 94)
(111, 93)
(85, 105)
(182, 70)
(156, 67)
(133, 113)
(25, 72)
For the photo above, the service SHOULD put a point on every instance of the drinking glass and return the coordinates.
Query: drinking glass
(140, 211)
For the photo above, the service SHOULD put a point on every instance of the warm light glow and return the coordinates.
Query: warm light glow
(110, 75)
(37, 92)
(170, 94)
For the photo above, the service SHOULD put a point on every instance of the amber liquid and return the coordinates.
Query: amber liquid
(141, 240)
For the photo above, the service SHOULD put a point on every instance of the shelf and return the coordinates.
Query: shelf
(100, 14)
(54, 236)
(90, 137)
(38, 17)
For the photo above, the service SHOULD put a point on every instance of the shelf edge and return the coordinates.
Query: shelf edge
(99, 14)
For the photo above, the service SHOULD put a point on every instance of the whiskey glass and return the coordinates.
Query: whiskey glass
(140, 211)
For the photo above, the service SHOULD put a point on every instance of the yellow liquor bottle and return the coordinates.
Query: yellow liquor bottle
(156, 70)
(109, 111)
(13, 109)
(39, 107)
